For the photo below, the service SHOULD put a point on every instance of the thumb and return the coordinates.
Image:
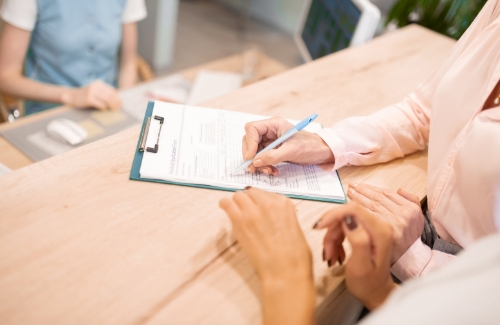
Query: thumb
(271, 157)
(410, 197)
(361, 260)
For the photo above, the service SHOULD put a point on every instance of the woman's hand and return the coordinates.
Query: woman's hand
(368, 275)
(401, 209)
(266, 227)
(304, 148)
(98, 95)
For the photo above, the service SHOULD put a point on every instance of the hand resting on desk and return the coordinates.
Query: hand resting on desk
(304, 148)
(400, 208)
(266, 227)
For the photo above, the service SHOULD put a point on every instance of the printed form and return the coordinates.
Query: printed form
(203, 146)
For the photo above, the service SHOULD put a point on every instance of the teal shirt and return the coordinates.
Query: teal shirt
(74, 42)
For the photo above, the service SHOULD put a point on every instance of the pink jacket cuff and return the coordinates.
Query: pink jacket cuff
(413, 261)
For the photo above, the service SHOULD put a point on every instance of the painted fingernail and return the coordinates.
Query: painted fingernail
(350, 222)
(324, 258)
(247, 188)
(317, 224)
(329, 263)
(257, 162)
(353, 184)
(340, 261)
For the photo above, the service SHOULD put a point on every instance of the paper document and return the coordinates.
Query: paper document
(212, 84)
(203, 146)
(4, 169)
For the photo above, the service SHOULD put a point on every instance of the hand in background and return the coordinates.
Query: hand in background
(266, 227)
(304, 148)
(97, 95)
(368, 275)
(401, 209)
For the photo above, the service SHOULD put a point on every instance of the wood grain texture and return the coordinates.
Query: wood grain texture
(265, 67)
(80, 243)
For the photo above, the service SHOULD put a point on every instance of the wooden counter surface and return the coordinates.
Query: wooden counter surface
(80, 243)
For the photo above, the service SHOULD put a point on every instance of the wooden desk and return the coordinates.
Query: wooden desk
(80, 243)
(265, 67)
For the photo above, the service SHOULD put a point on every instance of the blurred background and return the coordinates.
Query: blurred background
(191, 51)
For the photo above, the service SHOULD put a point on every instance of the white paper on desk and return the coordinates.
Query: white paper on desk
(174, 88)
(45, 143)
(203, 146)
(212, 84)
(4, 169)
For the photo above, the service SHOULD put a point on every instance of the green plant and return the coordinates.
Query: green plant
(448, 17)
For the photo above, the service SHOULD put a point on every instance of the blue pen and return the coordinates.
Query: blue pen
(301, 125)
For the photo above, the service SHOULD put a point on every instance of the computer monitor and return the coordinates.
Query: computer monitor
(327, 26)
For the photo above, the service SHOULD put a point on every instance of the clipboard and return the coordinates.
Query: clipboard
(141, 148)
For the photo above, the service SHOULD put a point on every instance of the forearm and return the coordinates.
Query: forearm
(128, 59)
(128, 74)
(378, 298)
(20, 86)
(288, 302)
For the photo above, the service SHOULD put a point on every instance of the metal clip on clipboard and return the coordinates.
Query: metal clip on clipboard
(145, 133)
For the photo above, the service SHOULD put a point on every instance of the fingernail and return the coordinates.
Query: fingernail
(329, 263)
(317, 224)
(340, 261)
(257, 162)
(350, 222)
(247, 188)
(350, 191)
(324, 258)
(353, 184)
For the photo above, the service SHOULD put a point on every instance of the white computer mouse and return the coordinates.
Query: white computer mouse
(66, 131)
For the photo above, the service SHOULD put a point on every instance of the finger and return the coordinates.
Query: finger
(269, 129)
(253, 136)
(272, 157)
(395, 197)
(244, 203)
(333, 217)
(231, 208)
(260, 197)
(379, 229)
(244, 147)
(332, 244)
(268, 170)
(98, 103)
(411, 197)
(380, 232)
(109, 96)
(371, 200)
(361, 258)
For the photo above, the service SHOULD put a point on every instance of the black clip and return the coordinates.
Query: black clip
(155, 149)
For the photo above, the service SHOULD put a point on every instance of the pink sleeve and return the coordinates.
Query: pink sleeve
(419, 259)
(400, 129)
(388, 134)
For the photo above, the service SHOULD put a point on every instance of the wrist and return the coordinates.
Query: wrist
(67, 95)
(378, 298)
(323, 152)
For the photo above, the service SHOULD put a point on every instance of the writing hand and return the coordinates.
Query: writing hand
(304, 148)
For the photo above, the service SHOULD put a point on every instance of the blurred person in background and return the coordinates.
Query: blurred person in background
(69, 52)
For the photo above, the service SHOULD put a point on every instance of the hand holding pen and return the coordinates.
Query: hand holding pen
(303, 148)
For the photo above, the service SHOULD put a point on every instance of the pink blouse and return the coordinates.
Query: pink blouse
(464, 142)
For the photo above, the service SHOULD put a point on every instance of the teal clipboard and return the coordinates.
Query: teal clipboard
(136, 167)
